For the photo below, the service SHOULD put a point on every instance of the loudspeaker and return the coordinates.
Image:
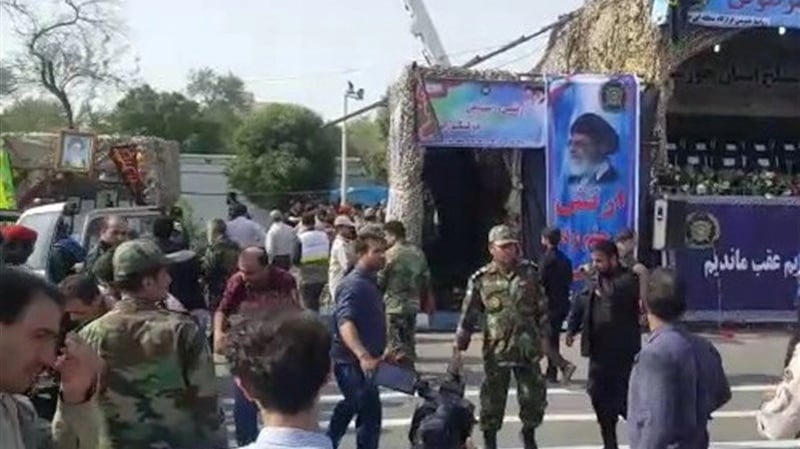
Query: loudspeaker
(669, 224)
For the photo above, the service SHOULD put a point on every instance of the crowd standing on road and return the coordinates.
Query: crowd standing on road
(124, 343)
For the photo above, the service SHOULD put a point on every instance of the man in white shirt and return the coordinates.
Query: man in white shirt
(342, 252)
(242, 230)
(281, 241)
(285, 387)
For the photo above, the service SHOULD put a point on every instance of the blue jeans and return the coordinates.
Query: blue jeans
(361, 399)
(245, 416)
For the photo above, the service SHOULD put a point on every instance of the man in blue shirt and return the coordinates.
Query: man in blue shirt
(677, 379)
(358, 344)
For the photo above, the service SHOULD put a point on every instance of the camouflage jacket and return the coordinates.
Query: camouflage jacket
(404, 279)
(219, 263)
(159, 388)
(512, 310)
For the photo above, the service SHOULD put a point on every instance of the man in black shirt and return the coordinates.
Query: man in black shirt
(607, 315)
(556, 270)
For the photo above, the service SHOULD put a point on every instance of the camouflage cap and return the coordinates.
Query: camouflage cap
(502, 235)
(135, 257)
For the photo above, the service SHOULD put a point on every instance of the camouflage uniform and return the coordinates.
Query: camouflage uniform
(512, 311)
(404, 279)
(159, 389)
(219, 263)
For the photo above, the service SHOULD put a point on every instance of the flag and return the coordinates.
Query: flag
(7, 193)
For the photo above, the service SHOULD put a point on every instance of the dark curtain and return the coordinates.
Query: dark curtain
(451, 175)
(534, 201)
(468, 198)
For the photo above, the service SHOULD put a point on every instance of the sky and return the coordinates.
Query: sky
(305, 51)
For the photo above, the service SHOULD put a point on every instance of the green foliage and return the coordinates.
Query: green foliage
(169, 115)
(31, 115)
(365, 139)
(282, 148)
(203, 121)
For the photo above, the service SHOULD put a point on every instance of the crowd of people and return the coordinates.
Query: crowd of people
(128, 337)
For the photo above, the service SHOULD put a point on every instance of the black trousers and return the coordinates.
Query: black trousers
(310, 294)
(608, 391)
(556, 322)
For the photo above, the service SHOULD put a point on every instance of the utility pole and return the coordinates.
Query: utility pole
(351, 92)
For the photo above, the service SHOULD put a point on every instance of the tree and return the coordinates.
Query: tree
(71, 47)
(365, 140)
(211, 89)
(32, 114)
(223, 100)
(282, 148)
(8, 84)
(169, 115)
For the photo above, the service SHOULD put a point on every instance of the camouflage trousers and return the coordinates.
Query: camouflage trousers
(531, 395)
(401, 339)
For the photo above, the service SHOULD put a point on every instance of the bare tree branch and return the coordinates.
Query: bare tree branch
(70, 49)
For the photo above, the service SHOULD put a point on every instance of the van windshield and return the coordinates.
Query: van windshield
(45, 226)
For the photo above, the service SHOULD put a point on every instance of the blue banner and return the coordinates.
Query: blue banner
(741, 257)
(737, 13)
(592, 159)
(481, 114)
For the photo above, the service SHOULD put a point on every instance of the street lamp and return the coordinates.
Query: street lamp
(351, 92)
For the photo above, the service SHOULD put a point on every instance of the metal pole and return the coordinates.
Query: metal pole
(343, 156)
(471, 63)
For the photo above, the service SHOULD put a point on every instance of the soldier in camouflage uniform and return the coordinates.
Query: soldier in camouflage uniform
(505, 297)
(404, 281)
(159, 389)
(220, 261)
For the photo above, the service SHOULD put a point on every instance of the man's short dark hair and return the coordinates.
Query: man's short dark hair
(19, 287)
(552, 235)
(396, 229)
(665, 297)
(308, 219)
(625, 235)
(163, 227)
(606, 247)
(282, 360)
(364, 240)
(598, 129)
(80, 286)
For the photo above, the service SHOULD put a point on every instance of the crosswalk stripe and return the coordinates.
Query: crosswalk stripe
(782, 444)
(389, 423)
(474, 392)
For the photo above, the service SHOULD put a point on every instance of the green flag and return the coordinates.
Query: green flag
(7, 193)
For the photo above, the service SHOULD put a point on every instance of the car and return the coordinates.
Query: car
(85, 227)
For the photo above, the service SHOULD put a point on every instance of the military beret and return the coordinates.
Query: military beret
(19, 233)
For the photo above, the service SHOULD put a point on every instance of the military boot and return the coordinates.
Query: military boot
(489, 440)
(529, 439)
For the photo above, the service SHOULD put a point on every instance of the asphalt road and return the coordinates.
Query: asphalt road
(752, 361)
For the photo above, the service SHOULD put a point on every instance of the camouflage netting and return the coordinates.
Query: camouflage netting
(33, 160)
(406, 157)
(618, 36)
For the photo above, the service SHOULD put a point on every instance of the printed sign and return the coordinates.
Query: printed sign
(750, 261)
(736, 13)
(481, 114)
(592, 159)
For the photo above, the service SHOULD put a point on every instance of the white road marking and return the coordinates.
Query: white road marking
(474, 393)
(389, 423)
(782, 444)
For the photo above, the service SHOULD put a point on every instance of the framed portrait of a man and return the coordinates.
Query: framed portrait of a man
(76, 151)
